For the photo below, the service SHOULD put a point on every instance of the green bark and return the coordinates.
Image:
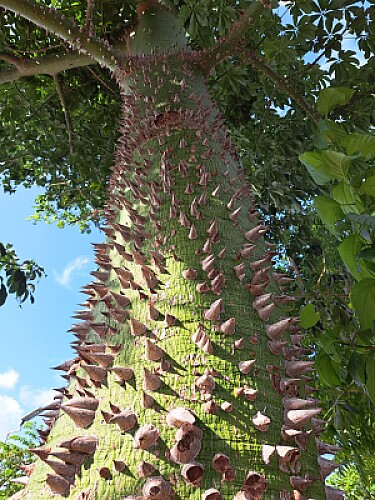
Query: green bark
(172, 156)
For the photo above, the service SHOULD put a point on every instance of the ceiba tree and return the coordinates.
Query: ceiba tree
(190, 380)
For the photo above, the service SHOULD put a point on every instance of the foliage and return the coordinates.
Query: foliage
(75, 183)
(346, 478)
(73, 172)
(19, 276)
(271, 131)
(14, 453)
(343, 168)
(73, 175)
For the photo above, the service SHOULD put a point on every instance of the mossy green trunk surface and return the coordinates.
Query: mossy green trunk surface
(186, 299)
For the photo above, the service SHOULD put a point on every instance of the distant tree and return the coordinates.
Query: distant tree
(17, 277)
(16, 461)
(355, 486)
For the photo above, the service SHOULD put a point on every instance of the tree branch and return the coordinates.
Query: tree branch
(47, 65)
(16, 61)
(52, 21)
(230, 45)
(223, 48)
(68, 120)
(233, 45)
(261, 65)
(102, 81)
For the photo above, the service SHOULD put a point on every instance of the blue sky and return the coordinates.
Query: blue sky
(33, 337)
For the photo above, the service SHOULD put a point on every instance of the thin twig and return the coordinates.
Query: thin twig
(323, 271)
(307, 68)
(233, 45)
(65, 109)
(295, 268)
(89, 17)
(222, 74)
(224, 46)
(31, 106)
(261, 65)
(102, 81)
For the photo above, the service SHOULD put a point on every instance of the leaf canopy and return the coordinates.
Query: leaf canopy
(293, 57)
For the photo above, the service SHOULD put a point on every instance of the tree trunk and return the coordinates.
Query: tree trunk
(186, 301)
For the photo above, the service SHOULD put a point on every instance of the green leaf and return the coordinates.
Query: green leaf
(368, 186)
(370, 377)
(363, 299)
(12, 286)
(331, 97)
(349, 199)
(3, 294)
(201, 14)
(365, 338)
(331, 131)
(314, 163)
(18, 275)
(329, 211)
(338, 419)
(356, 368)
(193, 26)
(349, 249)
(22, 284)
(364, 144)
(368, 254)
(326, 165)
(335, 164)
(308, 316)
(328, 342)
(184, 15)
(363, 220)
(328, 370)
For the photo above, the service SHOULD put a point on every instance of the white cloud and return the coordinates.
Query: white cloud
(9, 379)
(64, 278)
(10, 415)
(12, 410)
(34, 398)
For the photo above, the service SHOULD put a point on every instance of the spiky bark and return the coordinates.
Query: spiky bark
(188, 379)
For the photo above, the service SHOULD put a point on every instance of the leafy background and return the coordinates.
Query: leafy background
(312, 175)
